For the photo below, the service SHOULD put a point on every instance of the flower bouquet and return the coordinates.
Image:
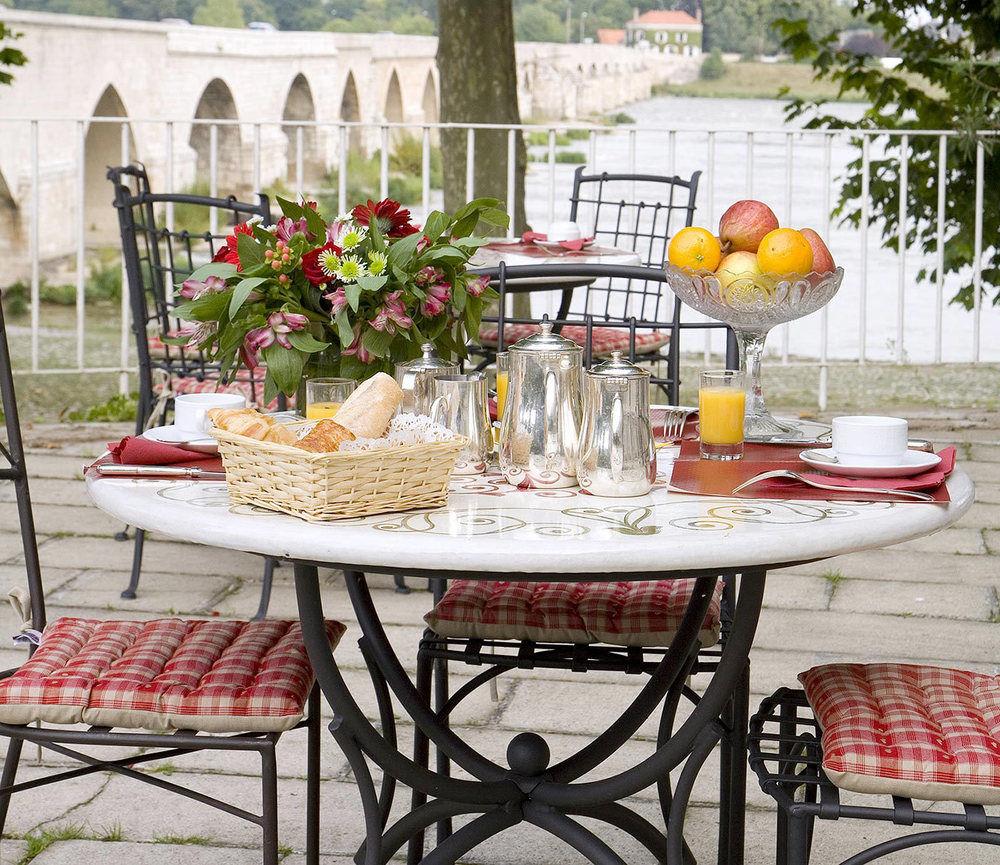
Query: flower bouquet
(358, 293)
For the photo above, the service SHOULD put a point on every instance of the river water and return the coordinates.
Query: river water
(809, 185)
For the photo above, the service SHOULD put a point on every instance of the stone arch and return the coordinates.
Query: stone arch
(350, 110)
(10, 219)
(217, 103)
(103, 148)
(299, 106)
(429, 101)
(393, 106)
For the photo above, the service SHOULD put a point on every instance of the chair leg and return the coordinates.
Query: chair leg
(421, 755)
(443, 763)
(797, 840)
(133, 582)
(401, 586)
(7, 777)
(736, 745)
(312, 779)
(123, 535)
(269, 797)
(266, 584)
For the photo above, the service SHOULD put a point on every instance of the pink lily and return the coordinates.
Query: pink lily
(283, 323)
(437, 297)
(428, 275)
(477, 286)
(198, 332)
(279, 325)
(287, 226)
(392, 314)
(357, 349)
(338, 300)
(192, 289)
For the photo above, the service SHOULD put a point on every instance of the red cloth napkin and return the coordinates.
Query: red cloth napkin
(924, 481)
(572, 245)
(139, 451)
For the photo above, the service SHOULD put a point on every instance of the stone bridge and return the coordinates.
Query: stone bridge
(149, 73)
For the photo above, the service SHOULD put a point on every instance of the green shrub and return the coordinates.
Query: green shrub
(578, 134)
(620, 118)
(189, 217)
(363, 175)
(118, 409)
(572, 157)
(713, 67)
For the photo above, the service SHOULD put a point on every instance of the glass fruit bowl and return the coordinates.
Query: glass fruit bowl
(751, 306)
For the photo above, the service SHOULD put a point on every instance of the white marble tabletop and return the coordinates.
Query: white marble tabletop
(492, 255)
(489, 525)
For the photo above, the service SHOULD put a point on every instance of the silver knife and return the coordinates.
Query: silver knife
(125, 471)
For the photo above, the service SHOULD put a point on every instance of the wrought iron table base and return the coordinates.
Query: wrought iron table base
(528, 789)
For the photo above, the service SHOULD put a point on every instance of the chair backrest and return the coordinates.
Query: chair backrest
(668, 379)
(13, 454)
(158, 256)
(638, 212)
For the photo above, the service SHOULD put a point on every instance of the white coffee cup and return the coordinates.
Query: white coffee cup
(870, 440)
(559, 231)
(190, 409)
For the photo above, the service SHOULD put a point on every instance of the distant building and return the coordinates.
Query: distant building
(670, 30)
(610, 36)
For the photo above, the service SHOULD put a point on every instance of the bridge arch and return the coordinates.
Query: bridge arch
(300, 106)
(393, 106)
(216, 103)
(10, 222)
(103, 148)
(350, 110)
(429, 101)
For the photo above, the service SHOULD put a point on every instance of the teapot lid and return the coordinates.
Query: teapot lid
(618, 367)
(429, 360)
(546, 341)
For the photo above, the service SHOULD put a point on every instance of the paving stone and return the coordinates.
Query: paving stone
(914, 599)
(164, 593)
(987, 472)
(895, 564)
(992, 540)
(12, 851)
(62, 519)
(51, 491)
(984, 453)
(988, 494)
(796, 591)
(962, 541)
(75, 852)
(46, 464)
(981, 516)
(30, 811)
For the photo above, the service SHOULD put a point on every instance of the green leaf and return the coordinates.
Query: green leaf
(208, 307)
(305, 341)
(448, 254)
(377, 342)
(376, 237)
(372, 283)
(250, 251)
(215, 268)
(435, 224)
(285, 364)
(242, 292)
(459, 295)
(404, 248)
(344, 329)
(353, 292)
(351, 367)
(315, 222)
(473, 316)
(289, 208)
(470, 242)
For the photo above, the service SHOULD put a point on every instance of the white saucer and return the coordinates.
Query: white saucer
(171, 435)
(913, 463)
(558, 244)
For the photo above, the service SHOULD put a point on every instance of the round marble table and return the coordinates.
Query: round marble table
(490, 530)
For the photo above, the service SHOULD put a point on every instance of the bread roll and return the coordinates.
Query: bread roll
(368, 410)
(280, 434)
(252, 424)
(325, 437)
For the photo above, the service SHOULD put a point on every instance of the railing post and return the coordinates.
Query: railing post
(470, 163)
(126, 310)
(81, 240)
(511, 180)
(34, 240)
(383, 168)
(904, 191)
(425, 171)
(977, 264)
(865, 209)
(942, 183)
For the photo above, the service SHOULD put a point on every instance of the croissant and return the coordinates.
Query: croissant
(368, 410)
(325, 437)
(252, 424)
(223, 417)
(280, 434)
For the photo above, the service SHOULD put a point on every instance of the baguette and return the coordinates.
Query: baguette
(368, 410)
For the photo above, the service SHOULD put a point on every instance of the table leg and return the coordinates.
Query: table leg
(529, 790)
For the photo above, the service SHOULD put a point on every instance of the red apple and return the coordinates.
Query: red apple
(744, 225)
(822, 260)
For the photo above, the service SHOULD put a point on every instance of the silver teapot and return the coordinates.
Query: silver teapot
(617, 456)
(541, 420)
(416, 377)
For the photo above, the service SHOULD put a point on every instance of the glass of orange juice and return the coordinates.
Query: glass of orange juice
(324, 396)
(502, 379)
(721, 408)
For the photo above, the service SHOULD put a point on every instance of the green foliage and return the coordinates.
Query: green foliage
(712, 68)
(535, 23)
(620, 118)
(10, 57)
(220, 13)
(103, 284)
(943, 82)
(746, 27)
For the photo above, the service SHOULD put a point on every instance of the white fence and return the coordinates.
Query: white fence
(60, 210)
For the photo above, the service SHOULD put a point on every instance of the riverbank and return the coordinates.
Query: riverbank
(755, 80)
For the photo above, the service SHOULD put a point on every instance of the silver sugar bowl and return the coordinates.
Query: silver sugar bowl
(617, 456)
(415, 378)
(541, 420)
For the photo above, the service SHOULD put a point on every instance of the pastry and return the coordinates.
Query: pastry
(252, 424)
(368, 410)
(325, 437)
(280, 434)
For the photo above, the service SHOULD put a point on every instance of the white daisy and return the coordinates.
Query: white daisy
(329, 263)
(351, 269)
(377, 263)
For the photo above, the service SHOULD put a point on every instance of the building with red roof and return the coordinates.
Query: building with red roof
(670, 30)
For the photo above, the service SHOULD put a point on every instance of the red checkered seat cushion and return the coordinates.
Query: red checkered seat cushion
(905, 730)
(167, 674)
(250, 386)
(618, 614)
(605, 339)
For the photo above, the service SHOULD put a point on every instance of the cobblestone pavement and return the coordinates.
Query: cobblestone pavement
(932, 600)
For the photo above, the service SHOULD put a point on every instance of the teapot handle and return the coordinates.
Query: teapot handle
(551, 419)
(617, 455)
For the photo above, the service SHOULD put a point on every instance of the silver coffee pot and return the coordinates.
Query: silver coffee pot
(415, 378)
(617, 456)
(541, 420)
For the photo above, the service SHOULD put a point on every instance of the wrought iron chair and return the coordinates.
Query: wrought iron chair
(895, 731)
(157, 258)
(506, 647)
(172, 676)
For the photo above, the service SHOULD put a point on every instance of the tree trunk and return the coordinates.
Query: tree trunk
(479, 85)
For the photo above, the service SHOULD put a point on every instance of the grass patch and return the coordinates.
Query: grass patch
(754, 80)
(190, 840)
(102, 285)
(834, 578)
(39, 842)
(570, 157)
(117, 409)
(620, 118)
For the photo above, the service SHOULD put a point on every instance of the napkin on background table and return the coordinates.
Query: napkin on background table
(139, 451)
(573, 245)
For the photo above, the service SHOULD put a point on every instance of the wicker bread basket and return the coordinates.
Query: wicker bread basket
(336, 485)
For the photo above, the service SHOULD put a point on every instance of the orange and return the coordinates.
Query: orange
(785, 251)
(695, 248)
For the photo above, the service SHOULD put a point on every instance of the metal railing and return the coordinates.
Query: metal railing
(797, 171)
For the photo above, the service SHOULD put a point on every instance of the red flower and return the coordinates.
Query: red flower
(391, 220)
(311, 267)
(230, 252)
